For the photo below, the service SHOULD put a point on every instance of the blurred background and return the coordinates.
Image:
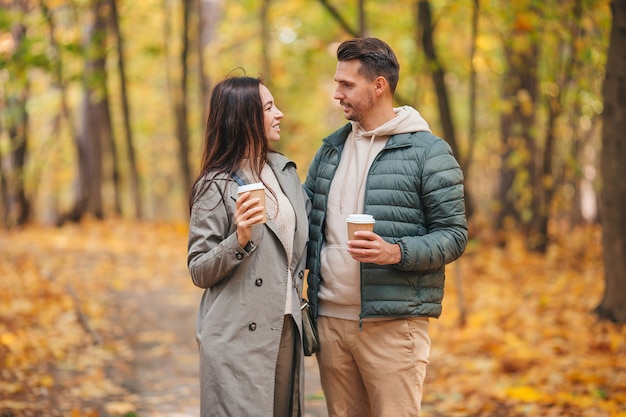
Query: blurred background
(103, 103)
(102, 112)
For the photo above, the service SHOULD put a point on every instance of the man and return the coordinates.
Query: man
(373, 296)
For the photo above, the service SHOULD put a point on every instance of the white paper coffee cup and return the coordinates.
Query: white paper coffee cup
(256, 190)
(358, 222)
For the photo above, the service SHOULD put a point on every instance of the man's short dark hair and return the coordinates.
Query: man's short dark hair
(376, 58)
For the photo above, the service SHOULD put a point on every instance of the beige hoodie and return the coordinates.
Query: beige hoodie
(340, 288)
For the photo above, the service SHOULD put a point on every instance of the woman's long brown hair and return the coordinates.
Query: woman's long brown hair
(235, 131)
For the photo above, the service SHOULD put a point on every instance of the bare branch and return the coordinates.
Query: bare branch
(335, 13)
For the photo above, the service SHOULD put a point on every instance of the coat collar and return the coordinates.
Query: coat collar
(338, 138)
(285, 171)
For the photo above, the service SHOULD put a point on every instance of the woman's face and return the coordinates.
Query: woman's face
(271, 114)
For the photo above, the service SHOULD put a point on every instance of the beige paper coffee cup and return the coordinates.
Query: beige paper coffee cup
(358, 222)
(256, 190)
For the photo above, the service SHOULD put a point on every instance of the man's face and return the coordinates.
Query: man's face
(353, 91)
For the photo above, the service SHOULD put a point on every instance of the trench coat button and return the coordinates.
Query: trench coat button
(239, 256)
(252, 326)
(258, 282)
(301, 274)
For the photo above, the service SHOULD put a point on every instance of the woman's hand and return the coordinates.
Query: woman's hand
(247, 214)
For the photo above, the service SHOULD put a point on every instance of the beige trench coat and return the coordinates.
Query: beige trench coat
(241, 312)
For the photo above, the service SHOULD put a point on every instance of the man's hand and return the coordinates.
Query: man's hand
(371, 248)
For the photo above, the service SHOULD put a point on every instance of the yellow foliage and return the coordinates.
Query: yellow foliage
(46, 381)
(529, 342)
(530, 339)
(525, 394)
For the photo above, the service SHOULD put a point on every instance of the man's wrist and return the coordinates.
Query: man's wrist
(397, 254)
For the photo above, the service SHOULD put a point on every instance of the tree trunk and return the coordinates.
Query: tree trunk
(362, 19)
(538, 238)
(4, 191)
(18, 135)
(94, 119)
(613, 171)
(425, 25)
(130, 149)
(57, 82)
(518, 144)
(210, 14)
(18, 205)
(467, 161)
(113, 153)
(265, 42)
(180, 103)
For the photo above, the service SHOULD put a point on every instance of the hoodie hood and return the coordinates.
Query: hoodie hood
(362, 146)
(407, 120)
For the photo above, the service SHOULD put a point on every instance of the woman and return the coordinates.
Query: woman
(248, 328)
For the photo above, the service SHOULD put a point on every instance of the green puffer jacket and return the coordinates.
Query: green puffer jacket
(414, 190)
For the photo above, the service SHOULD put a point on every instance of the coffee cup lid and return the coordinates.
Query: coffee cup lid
(360, 218)
(250, 187)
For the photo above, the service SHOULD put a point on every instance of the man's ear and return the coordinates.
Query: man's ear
(380, 85)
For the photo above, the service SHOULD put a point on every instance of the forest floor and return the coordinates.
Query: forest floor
(97, 319)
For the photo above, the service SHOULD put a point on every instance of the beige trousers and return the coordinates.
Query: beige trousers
(378, 371)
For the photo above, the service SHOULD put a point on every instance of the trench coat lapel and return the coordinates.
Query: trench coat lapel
(294, 192)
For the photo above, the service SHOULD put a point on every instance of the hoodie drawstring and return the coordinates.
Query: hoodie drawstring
(363, 175)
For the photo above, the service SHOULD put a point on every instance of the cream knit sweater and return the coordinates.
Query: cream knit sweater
(279, 210)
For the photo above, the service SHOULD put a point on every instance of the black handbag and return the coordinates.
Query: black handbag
(310, 340)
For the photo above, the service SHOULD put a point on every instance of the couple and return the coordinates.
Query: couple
(372, 297)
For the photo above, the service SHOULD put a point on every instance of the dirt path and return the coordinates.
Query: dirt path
(119, 310)
(163, 375)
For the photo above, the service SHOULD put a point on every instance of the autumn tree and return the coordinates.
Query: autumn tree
(95, 123)
(128, 133)
(519, 102)
(613, 169)
(265, 41)
(16, 202)
(546, 118)
(566, 28)
(209, 15)
(361, 28)
(64, 117)
(165, 82)
(180, 93)
(426, 29)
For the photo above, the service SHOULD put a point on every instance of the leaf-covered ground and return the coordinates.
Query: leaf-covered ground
(83, 310)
